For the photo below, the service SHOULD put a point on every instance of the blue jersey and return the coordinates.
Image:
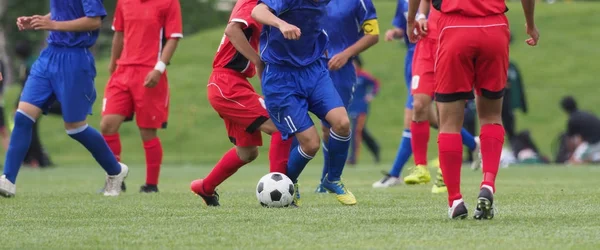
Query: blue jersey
(308, 16)
(66, 10)
(400, 20)
(345, 20)
(366, 85)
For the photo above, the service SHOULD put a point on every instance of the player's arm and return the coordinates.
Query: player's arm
(267, 16)
(532, 31)
(235, 32)
(173, 26)
(371, 37)
(77, 25)
(115, 52)
(399, 22)
(411, 16)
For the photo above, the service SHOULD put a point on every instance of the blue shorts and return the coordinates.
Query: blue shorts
(66, 75)
(343, 80)
(408, 77)
(290, 93)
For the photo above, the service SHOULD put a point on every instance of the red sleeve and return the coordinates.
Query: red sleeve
(118, 19)
(243, 15)
(173, 24)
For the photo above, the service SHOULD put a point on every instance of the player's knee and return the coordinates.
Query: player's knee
(109, 126)
(148, 134)
(247, 154)
(311, 147)
(342, 126)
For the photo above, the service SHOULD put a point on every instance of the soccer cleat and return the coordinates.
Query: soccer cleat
(211, 200)
(485, 205)
(7, 188)
(419, 175)
(387, 181)
(296, 202)
(149, 189)
(476, 164)
(439, 186)
(114, 183)
(458, 210)
(123, 188)
(321, 190)
(342, 194)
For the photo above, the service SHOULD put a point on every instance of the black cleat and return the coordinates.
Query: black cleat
(485, 205)
(210, 200)
(146, 188)
(458, 210)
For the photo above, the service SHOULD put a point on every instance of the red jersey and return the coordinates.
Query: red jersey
(227, 55)
(474, 8)
(432, 26)
(146, 24)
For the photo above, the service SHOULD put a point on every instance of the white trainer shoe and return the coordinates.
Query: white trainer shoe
(387, 181)
(7, 188)
(476, 164)
(113, 182)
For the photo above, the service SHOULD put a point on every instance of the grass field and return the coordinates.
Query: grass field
(539, 208)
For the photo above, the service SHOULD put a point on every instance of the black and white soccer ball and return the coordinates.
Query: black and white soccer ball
(275, 190)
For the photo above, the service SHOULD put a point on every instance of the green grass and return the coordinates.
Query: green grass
(564, 63)
(539, 208)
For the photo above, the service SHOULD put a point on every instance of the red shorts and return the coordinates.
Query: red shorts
(242, 109)
(423, 80)
(472, 52)
(126, 95)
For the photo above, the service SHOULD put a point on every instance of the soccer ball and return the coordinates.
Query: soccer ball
(275, 190)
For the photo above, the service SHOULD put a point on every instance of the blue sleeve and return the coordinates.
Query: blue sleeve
(366, 11)
(278, 6)
(400, 16)
(93, 8)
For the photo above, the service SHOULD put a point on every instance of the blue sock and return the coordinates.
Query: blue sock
(404, 153)
(468, 139)
(337, 147)
(325, 161)
(94, 142)
(296, 163)
(20, 139)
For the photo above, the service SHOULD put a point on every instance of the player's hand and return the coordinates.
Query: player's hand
(392, 34)
(289, 31)
(24, 23)
(1, 77)
(369, 98)
(411, 32)
(260, 67)
(338, 61)
(422, 27)
(42, 23)
(152, 79)
(534, 35)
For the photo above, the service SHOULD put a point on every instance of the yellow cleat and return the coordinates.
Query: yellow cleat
(296, 202)
(419, 175)
(435, 162)
(342, 194)
(439, 186)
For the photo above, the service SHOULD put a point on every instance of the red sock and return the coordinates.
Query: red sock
(492, 139)
(419, 140)
(114, 143)
(227, 166)
(450, 153)
(154, 154)
(279, 152)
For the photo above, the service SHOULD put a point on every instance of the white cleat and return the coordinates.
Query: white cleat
(113, 182)
(387, 181)
(7, 188)
(458, 210)
(476, 164)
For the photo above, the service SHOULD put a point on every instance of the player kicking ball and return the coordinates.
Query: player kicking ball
(233, 97)
(296, 80)
(345, 42)
(472, 53)
(65, 71)
(138, 82)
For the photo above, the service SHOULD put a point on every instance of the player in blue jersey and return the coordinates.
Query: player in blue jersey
(346, 40)
(296, 80)
(65, 71)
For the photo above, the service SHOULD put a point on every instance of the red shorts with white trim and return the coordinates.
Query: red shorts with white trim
(236, 101)
(472, 53)
(126, 95)
(423, 79)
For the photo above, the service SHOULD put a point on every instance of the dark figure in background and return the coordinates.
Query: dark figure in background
(514, 98)
(4, 136)
(36, 156)
(583, 133)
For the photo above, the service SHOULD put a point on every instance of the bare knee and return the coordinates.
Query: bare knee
(30, 110)
(247, 154)
(148, 133)
(489, 110)
(69, 126)
(110, 124)
(339, 121)
(421, 107)
(311, 147)
(451, 116)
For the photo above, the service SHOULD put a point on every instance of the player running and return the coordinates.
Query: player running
(233, 97)
(472, 53)
(138, 82)
(65, 71)
(345, 42)
(296, 80)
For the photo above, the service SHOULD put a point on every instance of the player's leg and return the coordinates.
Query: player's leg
(73, 84)
(279, 149)
(357, 133)
(352, 154)
(4, 133)
(117, 105)
(372, 144)
(490, 69)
